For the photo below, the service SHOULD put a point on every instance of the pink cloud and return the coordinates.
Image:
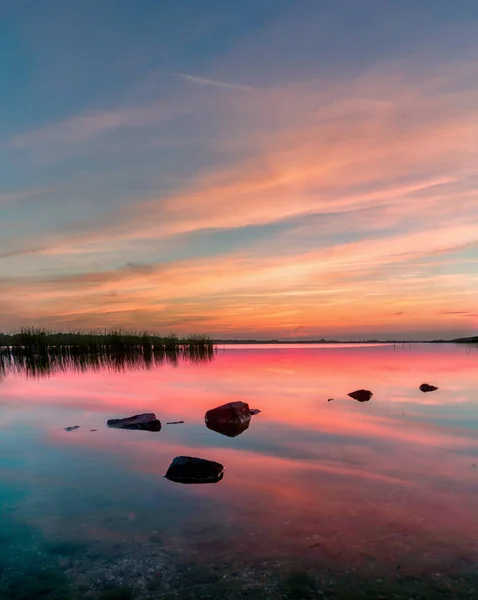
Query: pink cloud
(372, 155)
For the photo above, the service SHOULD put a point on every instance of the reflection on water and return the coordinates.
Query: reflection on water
(317, 497)
(228, 429)
(61, 359)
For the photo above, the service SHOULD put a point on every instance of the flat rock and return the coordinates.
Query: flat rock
(254, 411)
(426, 387)
(361, 395)
(72, 428)
(145, 421)
(187, 469)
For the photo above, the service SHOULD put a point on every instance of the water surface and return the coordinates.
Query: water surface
(318, 497)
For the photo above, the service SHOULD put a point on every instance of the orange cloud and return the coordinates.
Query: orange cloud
(391, 165)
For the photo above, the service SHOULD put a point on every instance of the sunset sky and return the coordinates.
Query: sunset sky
(263, 168)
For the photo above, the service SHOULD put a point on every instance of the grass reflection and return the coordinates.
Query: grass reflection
(43, 360)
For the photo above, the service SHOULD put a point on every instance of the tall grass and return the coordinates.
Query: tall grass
(57, 360)
(39, 352)
(40, 340)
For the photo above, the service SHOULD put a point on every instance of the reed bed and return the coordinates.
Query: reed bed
(39, 352)
(39, 340)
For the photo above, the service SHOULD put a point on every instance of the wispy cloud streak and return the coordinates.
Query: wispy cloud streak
(213, 82)
(365, 197)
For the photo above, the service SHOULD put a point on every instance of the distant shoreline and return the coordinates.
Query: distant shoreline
(471, 340)
(122, 340)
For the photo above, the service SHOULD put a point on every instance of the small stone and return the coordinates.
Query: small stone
(187, 469)
(72, 428)
(361, 395)
(145, 422)
(426, 387)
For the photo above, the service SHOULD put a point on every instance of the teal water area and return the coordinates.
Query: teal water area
(319, 499)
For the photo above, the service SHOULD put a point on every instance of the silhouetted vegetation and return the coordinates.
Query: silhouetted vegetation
(39, 352)
(119, 340)
(469, 340)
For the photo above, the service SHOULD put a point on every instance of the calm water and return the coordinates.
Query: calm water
(319, 499)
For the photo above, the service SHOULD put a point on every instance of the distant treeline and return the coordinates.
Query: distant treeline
(115, 340)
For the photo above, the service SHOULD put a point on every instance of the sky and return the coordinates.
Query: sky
(255, 169)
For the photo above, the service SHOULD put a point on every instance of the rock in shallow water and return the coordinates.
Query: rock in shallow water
(426, 387)
(187, 469)
(254, 411)
(361, 395)
(232, 413)
(145, 421)
(229, 419)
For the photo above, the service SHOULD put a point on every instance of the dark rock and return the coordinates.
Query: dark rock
(233, 413)
(361, 395)
(72, 428)
(187, 469)
(228, 429)
(330, 400)
(254, 411)
(174, 422)
(146, 421)
(230, 419)
(426, 387)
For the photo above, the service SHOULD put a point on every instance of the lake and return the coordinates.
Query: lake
(319, 499)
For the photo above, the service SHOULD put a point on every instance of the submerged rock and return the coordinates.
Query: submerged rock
(426, 387)
(361, 395)
(254, 411)
(174, 422)
(228, 429)
(72, 428)
(187, 469)
(145, 421)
